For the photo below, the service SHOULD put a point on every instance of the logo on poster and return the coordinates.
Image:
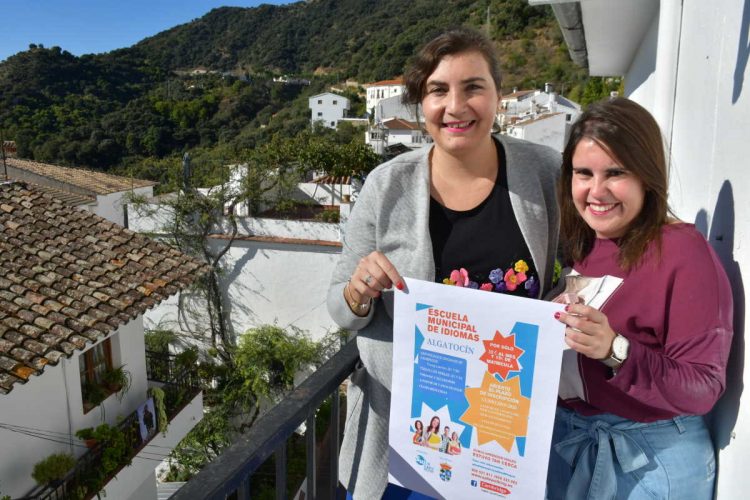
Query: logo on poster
(424, 463)
(445, 472)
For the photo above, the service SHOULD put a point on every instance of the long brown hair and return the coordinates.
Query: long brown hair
(631, 136)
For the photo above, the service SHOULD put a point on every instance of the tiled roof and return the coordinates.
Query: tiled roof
(69, 278)
(517, 94)
(399, 124)
(71, 199)
(384, 83)
(90, 180)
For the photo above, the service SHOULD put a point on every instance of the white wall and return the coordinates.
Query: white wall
(269, 283)
(287, 228)
(710, 130)
(549, 131)
(52, 404)
(324, 194)
(110, 206)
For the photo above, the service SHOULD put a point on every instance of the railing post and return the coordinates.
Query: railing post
(334, 430)
(281, 471)
(243, 492)
(310, 446)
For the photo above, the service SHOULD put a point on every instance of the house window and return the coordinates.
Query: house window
(320, 101)
(335, 102)
(333, 124)
(320, 113)
(93, 364)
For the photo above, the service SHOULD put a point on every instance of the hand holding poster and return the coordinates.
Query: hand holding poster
(475, 387)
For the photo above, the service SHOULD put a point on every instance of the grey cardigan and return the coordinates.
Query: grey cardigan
(392, 215)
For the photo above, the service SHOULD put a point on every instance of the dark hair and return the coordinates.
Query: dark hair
(456, 41)
(631, 136)
(436, 428)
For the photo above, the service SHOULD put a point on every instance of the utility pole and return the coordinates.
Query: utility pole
(488, 25)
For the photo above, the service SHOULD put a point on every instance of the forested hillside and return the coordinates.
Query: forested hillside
(135, 106)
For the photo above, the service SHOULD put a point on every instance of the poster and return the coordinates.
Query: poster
(147, 423)
(478, 372)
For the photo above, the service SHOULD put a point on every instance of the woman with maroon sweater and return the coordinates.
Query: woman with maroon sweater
(653, 359)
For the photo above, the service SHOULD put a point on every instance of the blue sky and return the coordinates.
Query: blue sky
(94, 26)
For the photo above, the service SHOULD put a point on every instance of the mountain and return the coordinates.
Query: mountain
(147, 101)
(365, 39)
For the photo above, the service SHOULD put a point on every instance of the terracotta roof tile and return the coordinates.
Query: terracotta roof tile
(67, 279)
(89, 181)
(53, 356)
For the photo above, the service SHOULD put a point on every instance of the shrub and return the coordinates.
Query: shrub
(53, 468)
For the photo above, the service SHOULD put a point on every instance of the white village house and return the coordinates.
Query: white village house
(383, 89)
(687, 62)
(392, 107)
(542, 117)
(395, 131)
(547, 129)
(327, 109)
(98, 192)
(73, 290)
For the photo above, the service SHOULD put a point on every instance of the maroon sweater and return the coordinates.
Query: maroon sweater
(677, 313)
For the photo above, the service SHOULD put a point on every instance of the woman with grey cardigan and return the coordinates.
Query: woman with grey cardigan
(471, 210)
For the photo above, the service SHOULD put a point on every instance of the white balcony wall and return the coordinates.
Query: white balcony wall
(111, 206)
(323, 194)
(138, 481)
(266, 282)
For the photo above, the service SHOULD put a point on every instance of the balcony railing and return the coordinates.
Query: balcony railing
(85, 479)
(164, 367)
(230, 475)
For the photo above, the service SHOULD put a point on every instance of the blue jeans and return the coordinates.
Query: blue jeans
(610, 457)
(393, 492)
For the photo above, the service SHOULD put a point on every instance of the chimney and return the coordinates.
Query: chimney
(547, 88)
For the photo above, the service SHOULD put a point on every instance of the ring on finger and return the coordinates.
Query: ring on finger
(368, 280)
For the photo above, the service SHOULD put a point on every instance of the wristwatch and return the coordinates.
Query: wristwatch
(620, 348)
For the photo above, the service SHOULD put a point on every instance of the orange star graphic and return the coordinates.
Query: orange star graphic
(498, 411)
(501, 354)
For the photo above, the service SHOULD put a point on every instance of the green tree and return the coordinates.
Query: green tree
(266, 361)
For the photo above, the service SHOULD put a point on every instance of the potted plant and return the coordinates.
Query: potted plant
(53, 469)
(118, 380)
(161, 409)
(114, 447)
(87, 435)
(93, 395)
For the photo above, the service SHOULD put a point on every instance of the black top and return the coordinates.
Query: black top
(486, 241)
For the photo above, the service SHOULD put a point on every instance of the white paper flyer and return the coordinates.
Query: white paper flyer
(475, 379)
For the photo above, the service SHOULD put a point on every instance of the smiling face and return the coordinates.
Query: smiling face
(607, 196)
(434, 424)
(459, 104)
